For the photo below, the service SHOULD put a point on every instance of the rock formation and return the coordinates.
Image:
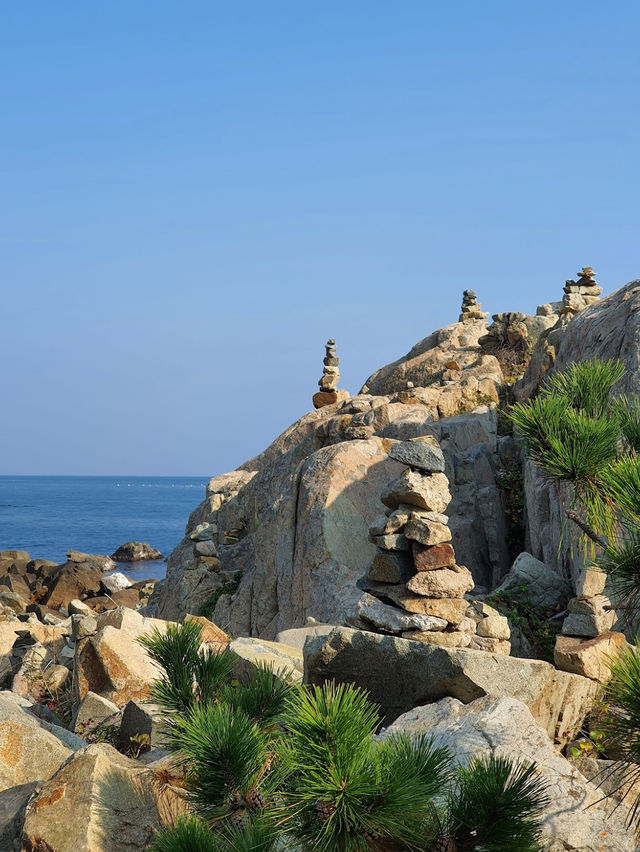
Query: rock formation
(581, 293)
(135, 551)
(329, 393)
(471, 307)
(415, 566)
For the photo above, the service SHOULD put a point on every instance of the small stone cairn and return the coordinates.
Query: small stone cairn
(415, 566)
(581, 293)
(329, 393)
(587, 643)
(471, 308)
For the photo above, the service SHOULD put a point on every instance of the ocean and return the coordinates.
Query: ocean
(48, 515)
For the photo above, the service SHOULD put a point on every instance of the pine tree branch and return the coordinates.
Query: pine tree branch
(601, 541)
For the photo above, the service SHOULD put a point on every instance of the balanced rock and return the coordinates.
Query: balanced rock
(590, 658)
(394, 620)
(442, 583)
(589, 616)
(427, 533)
(427, 558)
(416, 489)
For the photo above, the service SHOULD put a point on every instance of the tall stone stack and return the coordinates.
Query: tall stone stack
(415, 566)
(581, 293)
(329, 393)
(471, 307)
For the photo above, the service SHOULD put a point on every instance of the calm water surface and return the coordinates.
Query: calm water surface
(48, 515)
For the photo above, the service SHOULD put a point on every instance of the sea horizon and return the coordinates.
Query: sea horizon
(50, 514)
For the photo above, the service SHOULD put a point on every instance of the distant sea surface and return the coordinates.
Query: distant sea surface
(48, 515)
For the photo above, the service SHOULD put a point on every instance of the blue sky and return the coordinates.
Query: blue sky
(197, 194)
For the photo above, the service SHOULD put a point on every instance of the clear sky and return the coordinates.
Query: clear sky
(195, 195)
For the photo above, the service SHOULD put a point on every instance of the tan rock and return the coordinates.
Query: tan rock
(492, 646)
(455, 639)
(282, 659)
(30, 749)
(589, 616)
(590, 583)
(451, 609)
(479, 610)
(436, 556)
(430, 492)
(494, 627)
(442, 583)
(590, 658)
(100, 801)
(211, 633)
(427, 532)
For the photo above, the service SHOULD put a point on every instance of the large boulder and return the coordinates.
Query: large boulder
(529, 579)
(99, 801)
(30, 748)
(400, 674)
(577, 818)
(112, 662)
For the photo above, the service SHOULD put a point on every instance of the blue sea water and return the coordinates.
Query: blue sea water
(48, 515)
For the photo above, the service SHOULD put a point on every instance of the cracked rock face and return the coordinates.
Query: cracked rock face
(577, 819)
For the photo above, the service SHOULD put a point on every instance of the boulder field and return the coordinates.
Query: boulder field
(379, 540)
(75, 777)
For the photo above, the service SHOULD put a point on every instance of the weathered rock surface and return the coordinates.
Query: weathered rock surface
(442, 583)
(135, 551)
(400, 674)
(99, 801)
(282, 659)
(30, 748)
(112, 663)
(591, 657)
(533, 580)
(577, 819)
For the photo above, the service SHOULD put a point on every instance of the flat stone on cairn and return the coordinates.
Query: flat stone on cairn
(471, 308)
(329, 393)
(581, 293)
(426, 581)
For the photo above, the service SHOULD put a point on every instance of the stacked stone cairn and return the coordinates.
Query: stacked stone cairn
(471, 307)
(415, 567)
(581, 293)
(329, 393)
(587, 644)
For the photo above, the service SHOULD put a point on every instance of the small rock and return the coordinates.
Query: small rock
(92, 712)
(395, 620)
(590, 583)
(455, 639)
(416, 489)
(391, 542)
(427, 532)
(390, 567)
(442, 583)
(494, 627)
(427, 558)
(422, 453)
(136, 551)
(203, 532)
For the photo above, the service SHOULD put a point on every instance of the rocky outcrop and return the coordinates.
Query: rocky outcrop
(400, 674)
(578, 818)
(99, 801)
(135, 551)
(531, 580)
(288, 532)
(453, 349)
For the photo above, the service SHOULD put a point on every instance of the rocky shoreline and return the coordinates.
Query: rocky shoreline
(396, 539)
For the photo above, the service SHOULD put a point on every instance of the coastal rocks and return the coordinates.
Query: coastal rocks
(30, 749)
(135, 551)
(577, 818)
(329, 393)
(100, 563)
(73, 579)
(112, 663)
(99, 801)
(400, 674)
(471, 308)
(115, 582)
(286, 660)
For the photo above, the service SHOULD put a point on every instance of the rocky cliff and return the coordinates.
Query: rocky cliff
(286, 537)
